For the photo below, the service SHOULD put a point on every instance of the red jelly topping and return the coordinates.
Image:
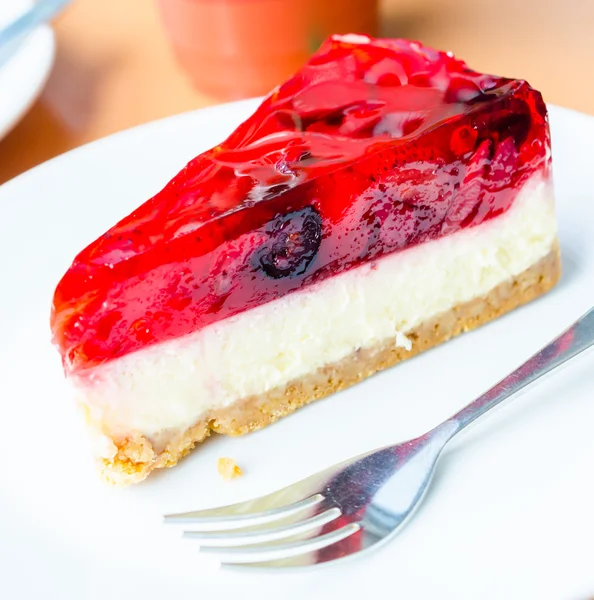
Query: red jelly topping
(374, 146)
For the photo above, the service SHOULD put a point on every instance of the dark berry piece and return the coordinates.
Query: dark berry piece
(294, 242)
(275, 190)
(515, 125)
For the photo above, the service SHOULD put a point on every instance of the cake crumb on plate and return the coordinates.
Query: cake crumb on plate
(228, 469)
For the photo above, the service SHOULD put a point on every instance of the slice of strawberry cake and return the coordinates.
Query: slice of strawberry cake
(381, 201)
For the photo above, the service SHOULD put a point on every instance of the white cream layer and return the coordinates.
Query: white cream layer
(166, 388)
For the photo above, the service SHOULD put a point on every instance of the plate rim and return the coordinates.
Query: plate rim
(45, 41)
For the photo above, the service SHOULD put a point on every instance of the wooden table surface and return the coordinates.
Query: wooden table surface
(115, 69)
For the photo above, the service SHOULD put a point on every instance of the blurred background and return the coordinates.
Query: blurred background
(124, 63)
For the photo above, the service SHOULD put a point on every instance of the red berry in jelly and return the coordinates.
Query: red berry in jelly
(373, 147)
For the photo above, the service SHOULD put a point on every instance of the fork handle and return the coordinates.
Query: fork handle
(576, 339)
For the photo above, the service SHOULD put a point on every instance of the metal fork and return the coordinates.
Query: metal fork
(360, 503)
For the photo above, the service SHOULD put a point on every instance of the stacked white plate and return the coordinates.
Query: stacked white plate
(22, 78)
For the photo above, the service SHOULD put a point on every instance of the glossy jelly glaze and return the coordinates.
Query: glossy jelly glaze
(374, 146)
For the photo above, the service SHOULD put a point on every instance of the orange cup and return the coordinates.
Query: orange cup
(242, 48)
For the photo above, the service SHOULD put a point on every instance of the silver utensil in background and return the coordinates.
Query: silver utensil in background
(16, 32)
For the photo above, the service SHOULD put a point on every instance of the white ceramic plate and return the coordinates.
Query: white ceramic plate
(510, 514)
(22, 78)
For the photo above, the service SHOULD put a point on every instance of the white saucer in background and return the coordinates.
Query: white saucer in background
(23, 76)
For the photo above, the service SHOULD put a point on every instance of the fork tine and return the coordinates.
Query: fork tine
(257, 554)
(220, 519)
(241, 538)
